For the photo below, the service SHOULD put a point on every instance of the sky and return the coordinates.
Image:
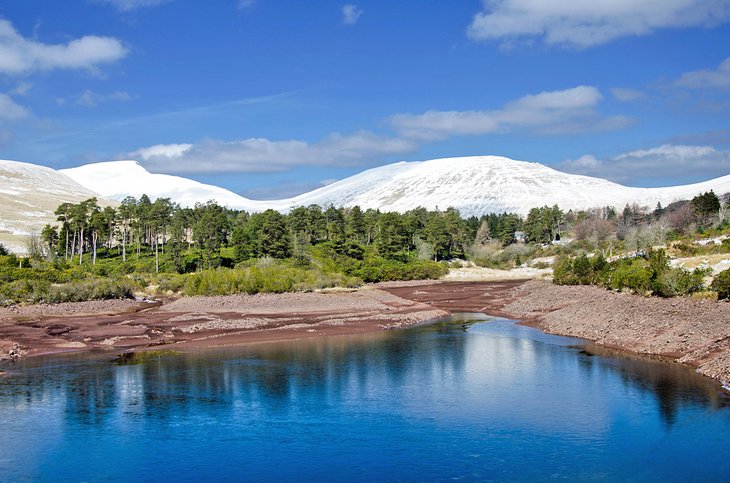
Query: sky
(272, 98)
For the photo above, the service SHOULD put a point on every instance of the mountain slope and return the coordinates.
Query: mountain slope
(119, 179)
(474, 185)
(485, 184)
(29, 194)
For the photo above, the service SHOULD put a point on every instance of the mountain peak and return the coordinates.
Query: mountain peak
(475, 185)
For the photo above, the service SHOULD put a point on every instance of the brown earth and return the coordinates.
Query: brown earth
(202, 321)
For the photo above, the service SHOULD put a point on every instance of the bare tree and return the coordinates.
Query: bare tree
(681, 219)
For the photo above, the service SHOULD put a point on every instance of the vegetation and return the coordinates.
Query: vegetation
(145, 246)
(649, 273)
(721, 284)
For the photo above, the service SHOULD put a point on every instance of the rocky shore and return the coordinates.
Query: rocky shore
(693, 332)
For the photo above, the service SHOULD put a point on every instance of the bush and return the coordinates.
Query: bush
(721, 284)
(272, 276)
(377, 269)
(650, 273)
(677, 281)
(633, 274)
(580, 270)
(42, 291)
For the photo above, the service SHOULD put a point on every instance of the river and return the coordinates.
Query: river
(472, 397)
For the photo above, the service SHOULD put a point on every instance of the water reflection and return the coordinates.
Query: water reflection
(473, 385)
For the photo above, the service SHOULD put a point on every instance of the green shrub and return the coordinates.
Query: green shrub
(633, 274)
(272, 276)
(377, 269)
(650, 273)
(721, 284)
(42, 291)
(677, 281)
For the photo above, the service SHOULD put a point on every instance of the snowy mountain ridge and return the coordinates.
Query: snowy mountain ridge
(29, 195)
(474, 185)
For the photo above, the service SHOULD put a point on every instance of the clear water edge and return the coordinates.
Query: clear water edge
(457, 399)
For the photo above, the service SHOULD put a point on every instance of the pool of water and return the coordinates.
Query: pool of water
(472, 398)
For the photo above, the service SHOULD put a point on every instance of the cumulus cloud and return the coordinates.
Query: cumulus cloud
(350, 14)
(581, 24)
(260, 155)
(19, 55)
(129, 5)
(627, 95)
(90, 98)
(170, 151)
(719, 77)
(668, 161)
(554, 112)
(10, 111)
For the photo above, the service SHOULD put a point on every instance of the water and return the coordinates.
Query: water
(474, 398)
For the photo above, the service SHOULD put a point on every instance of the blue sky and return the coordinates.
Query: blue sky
(270, 98)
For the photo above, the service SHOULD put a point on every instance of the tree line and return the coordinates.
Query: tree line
(209, 235)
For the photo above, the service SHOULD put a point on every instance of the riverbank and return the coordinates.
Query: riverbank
(693, 332)
(197, 322)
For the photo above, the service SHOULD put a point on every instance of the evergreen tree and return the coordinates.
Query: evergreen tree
(706, 208)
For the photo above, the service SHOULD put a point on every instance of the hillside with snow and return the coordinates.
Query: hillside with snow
(119, 179)
(29, 194)
(474, 185)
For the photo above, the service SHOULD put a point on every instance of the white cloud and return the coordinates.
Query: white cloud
(555, 112)
(10, 111)
(161, 151)
(22, 89)
(581, 23)
(19, 55)
(260, 155)
(668, 161)
(627, 95)
(719, 77)
(89, 98)
(350, 14)
(129, 5)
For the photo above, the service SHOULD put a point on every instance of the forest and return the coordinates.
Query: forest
(153, 248)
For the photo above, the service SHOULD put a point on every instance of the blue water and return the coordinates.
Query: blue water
(473, 398)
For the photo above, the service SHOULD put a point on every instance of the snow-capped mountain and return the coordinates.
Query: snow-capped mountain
(487, 184)
(29, 194)
(474, 185)
(119, 179)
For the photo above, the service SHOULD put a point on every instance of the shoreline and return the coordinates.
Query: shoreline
(678, 330)
(202, 322)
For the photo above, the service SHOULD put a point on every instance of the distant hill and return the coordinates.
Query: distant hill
(474, 185)
(29, 194)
